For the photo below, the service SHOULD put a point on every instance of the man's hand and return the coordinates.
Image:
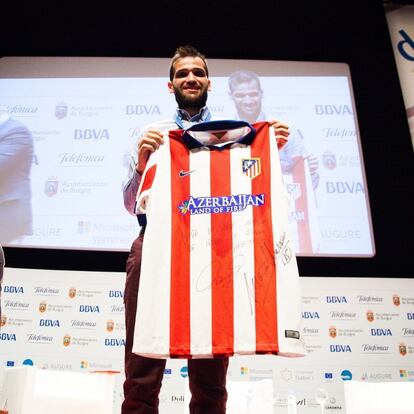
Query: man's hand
(282, 132)
(149, 142)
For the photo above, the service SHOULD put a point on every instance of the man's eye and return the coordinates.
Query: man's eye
(241, 95)
(199, 73)
(181, 74)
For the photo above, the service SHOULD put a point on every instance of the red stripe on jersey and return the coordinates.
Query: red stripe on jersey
(149, 178)
(264, 254)
(301, 205)
(180, 253)
(221, 258)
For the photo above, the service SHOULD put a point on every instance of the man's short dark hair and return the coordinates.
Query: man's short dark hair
(243, 76)
(186, 51)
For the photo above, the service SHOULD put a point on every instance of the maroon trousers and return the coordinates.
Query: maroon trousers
(207, 377)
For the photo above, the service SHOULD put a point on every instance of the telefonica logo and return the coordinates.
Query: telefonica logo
(342, 315)
(21, 109)
(370, 299)
(84, 158)
(117, 309)
(82, 324)
(339, 133)
(40, 290)
(38, 338)
(15, 305)
(375, 349)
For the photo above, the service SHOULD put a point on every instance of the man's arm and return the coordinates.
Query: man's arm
(15, 145)
(149, 142)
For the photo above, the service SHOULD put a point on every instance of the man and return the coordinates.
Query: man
(16, 153)
(189, 82)
(296, 161)
(246, 92)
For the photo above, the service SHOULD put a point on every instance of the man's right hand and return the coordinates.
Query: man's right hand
(149, 142)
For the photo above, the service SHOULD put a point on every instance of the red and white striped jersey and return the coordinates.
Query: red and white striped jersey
(219, 276)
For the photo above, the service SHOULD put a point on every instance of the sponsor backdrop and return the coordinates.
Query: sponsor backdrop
(401, 27)
(83, 131)
(358, 328)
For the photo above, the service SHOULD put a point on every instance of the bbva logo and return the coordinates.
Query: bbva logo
(116, 294)
(381, 332)
(333, 110)
(7, 337)
(340, 348)
(91, 134)
(114, 342)
(49, 322)
(89, 308)
(13, 289)
(143, 110)
(310, 315)
(336, 299)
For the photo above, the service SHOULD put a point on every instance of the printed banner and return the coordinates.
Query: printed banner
(354, 329)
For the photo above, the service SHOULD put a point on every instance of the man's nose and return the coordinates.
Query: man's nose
(191, 77)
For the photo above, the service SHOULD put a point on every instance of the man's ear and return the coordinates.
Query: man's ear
(170, 87)
(209, 85)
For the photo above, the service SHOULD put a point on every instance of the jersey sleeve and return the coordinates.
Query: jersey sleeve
(149, 175)
(144, 190)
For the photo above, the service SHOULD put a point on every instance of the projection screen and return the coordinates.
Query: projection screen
(61, 176)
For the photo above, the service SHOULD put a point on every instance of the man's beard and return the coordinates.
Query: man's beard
(185, 102)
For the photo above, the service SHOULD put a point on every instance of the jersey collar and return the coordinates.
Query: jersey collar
(245, 139)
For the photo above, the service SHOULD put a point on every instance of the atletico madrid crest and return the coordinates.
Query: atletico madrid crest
(251, 167)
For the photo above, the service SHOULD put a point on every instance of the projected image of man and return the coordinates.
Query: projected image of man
(246, 92)
(16, 153)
